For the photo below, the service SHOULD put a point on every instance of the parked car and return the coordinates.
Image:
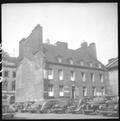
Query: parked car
(47, 105)
(110, 108)
(35, 108)
(7, 111)
(58, 108)
(88, 105)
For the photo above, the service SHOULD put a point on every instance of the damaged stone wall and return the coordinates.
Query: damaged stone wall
(29, 86)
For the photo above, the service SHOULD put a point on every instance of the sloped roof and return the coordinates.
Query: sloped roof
(52, 52)
(112, 64)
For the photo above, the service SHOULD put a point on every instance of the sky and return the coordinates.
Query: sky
(66, 22)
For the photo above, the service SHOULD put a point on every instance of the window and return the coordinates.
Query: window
(94, 91)
(83, 76)
(61, 90)
(50, 74)
(71, 61)
(60, 74)
(59, 59)
(84, 91)
(6, 74)
(81, 63)
(14, 74)
(72, 76)
(92, 77)
(13, 85)
(91, 65)
(101, 78)
(99, 65)
(103, 91)
(51, 90)
(12, 99)
(45, 73)
(4, 85)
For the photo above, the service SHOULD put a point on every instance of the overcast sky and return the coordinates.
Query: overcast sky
(66, 22)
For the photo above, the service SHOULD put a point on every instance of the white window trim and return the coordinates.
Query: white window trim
(83, 77)
(45, 73)
(91, 65)
(60, 74)
(61, 94)
(99, 65)
(73, 77)
(51, 93)
(59, 59)
(95, 92)
(81, 63)
(50, 76)
(85, 94)
(71, 61)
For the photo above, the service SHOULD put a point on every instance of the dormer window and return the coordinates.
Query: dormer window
(71, 61)
(81, 63)
(59, 59)
(91, 65)
(99, 66)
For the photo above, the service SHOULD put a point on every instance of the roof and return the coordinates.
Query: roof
(9, 59)
(112, 64)
(52, 52)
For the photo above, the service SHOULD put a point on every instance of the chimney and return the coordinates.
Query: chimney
(92, 50)
(84, 45)
(62, 45)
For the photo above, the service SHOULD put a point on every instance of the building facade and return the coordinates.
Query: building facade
(8, 78)
(112, 67)
(50, 71)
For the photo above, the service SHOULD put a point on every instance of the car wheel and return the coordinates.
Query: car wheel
(48, 111)
(82, 111)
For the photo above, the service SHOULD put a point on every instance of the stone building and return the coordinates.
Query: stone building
(50, 71)
(8, 78)
(112, 67)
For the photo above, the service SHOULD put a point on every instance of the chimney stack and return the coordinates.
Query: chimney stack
(92, 50)
(84, 45)
(62, 45)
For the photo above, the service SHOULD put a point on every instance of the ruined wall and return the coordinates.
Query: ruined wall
(29, 84)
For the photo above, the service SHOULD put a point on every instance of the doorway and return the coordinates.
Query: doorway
(73, 92)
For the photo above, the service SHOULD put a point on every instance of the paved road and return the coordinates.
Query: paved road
(59, 116)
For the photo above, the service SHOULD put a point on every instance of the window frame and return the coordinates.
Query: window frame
(60, 74)
(84, 91)
(6, 75)
(83, 76)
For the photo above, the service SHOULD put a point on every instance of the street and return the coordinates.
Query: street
(59, 116)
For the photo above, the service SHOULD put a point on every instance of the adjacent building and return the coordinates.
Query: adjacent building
(112, 67)
(50, 71)
(8, 78)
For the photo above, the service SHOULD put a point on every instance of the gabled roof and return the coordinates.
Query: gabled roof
(51, 53)
(112, 64)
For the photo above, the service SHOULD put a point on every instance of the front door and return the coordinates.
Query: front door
(73, 92)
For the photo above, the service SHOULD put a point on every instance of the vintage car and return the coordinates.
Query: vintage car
(88, 105)
(35, 108)
(7, 112)
(58, 109)
(47, 106)
(110, 108)
(65, 106)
